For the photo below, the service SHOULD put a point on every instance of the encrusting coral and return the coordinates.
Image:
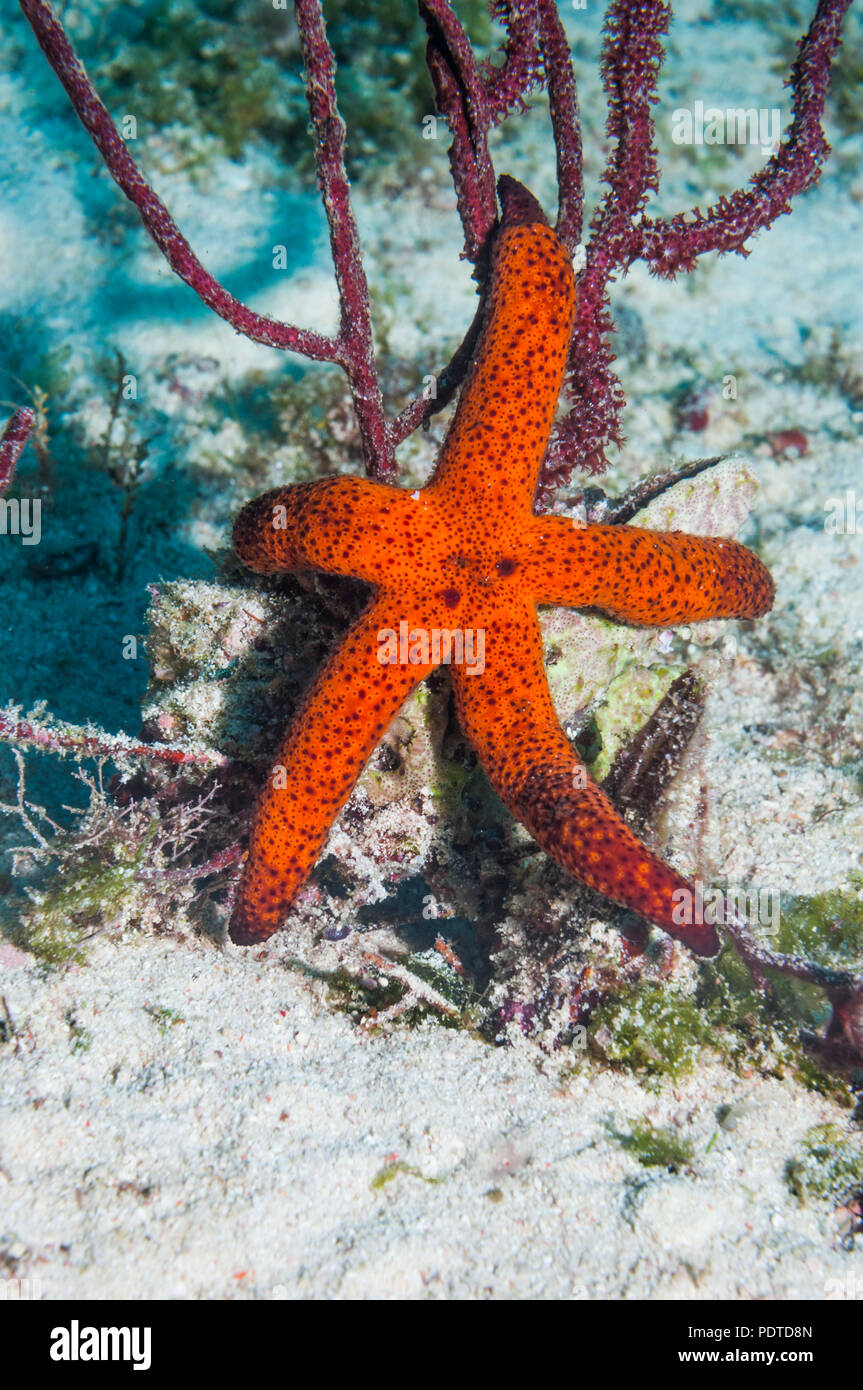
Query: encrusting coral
(691, 578)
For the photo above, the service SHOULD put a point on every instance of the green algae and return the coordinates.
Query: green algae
(347, 994)
(763, 1032)
(164, 1018)
(363, 999)
(87, 892)
(80, 1039)
(77, 899)
(825, 1167)
(114, 870)
(54, 943)
(232, 74)
(394, 1170)
(431, 967)
(656, 1146)
(647, 1029)
(652, 1031)
(827, 927)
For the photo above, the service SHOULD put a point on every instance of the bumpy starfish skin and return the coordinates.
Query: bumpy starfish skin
(467, 552)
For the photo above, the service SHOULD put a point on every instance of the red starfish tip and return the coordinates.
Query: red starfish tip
(518, 203)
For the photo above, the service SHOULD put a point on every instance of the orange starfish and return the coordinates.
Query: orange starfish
(459, 567)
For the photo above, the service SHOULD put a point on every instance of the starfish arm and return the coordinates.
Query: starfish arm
(338, 525)
(652, 577)
(497, 439)
(509, 718)
(346, 712)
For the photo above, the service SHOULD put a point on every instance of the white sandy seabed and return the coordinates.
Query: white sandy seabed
(260, 1145)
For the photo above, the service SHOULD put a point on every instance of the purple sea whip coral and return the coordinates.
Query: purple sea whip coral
(12, 443)
(473, 97)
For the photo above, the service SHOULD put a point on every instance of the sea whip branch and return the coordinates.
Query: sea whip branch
(83, 743)
(507, 84)
(462, 100)
(622, 234)
(89, 743)
(355, 344)
(352, 348)
(12, 443)
(473, 97)
(565, 122)
(95, 117)
(672, 245)
(632, 54)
